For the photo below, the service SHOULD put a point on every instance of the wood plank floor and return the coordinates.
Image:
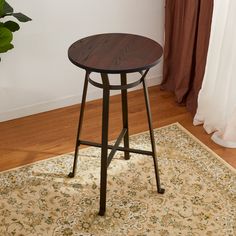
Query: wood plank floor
(48, 134)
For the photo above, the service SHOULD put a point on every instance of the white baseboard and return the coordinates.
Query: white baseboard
(63, 102)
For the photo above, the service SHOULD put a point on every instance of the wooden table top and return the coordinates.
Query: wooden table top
(115, 53)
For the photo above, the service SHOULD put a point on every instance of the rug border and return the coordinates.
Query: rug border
(206, 147)
(175, 123)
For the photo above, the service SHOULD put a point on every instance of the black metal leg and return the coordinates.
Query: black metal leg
(82, 106)
(104, 151)
(159, 189)
(125, 115)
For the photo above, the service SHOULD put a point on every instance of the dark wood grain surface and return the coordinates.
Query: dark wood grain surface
(115, 53)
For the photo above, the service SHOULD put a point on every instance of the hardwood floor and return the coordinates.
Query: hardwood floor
(48, 134)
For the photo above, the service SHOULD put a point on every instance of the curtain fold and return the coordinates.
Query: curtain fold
(217, 98)
(187, 31)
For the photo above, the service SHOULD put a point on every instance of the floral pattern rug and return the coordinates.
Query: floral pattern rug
(200, 198)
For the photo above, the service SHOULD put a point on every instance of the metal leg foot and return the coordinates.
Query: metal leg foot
(71, 175)
(161, 190)
(101, 212)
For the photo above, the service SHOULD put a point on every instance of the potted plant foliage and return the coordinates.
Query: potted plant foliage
(7, 27)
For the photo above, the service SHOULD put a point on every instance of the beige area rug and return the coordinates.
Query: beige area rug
(200, 197)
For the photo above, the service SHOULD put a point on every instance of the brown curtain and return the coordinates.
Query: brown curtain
(187, 31)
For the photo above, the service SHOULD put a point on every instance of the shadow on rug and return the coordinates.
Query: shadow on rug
(200, 197)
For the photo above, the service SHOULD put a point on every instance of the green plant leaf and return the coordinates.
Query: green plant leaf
(7, 8)
(6, 47)
(21, 17)
(8, 27)
(12, 26)
(5, 39)
(5, 36)
(2, 2)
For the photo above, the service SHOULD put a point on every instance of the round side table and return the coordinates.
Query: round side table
(115, 53)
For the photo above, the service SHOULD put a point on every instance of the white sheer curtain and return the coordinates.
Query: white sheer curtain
(217, 98)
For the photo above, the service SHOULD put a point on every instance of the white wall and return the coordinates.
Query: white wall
(36, 75)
